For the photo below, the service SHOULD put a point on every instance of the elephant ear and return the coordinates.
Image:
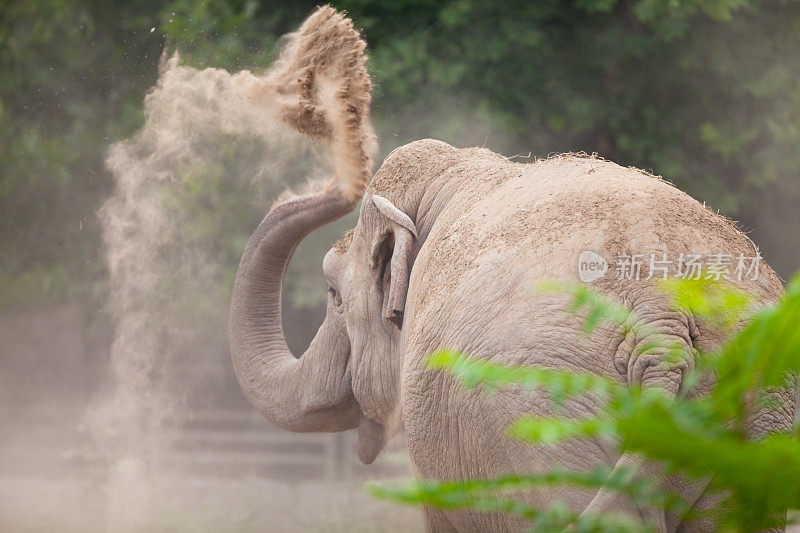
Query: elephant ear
(402, 242)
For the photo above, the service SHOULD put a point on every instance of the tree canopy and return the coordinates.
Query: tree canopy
(702, 92)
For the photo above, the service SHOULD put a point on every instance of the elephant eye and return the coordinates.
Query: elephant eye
(337, 300)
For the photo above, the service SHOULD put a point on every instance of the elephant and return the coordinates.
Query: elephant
(448, 244)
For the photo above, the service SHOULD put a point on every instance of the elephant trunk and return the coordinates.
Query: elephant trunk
(310, 393)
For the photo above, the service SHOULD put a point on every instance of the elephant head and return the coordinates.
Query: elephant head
(349, 375)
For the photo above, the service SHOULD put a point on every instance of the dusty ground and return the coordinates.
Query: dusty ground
(68, 505)
(222, 470)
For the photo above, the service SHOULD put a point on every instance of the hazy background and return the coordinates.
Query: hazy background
(703, 92)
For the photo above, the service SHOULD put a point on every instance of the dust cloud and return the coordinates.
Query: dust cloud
(215, 148)
(320, 85)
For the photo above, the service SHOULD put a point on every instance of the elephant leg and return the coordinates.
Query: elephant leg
(647, 356)
(608, 500)
(436, 521)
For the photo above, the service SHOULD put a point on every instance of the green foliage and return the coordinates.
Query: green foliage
(719, 304)
(698, 434)
(677, 86)
(73, 78)
(487, 495)
(234, 34)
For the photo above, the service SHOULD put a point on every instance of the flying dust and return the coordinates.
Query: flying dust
(207, 133)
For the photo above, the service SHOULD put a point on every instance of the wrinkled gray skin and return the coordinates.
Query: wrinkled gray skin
(483, 230)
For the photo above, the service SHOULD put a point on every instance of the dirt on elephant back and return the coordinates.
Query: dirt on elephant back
(595, 157)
